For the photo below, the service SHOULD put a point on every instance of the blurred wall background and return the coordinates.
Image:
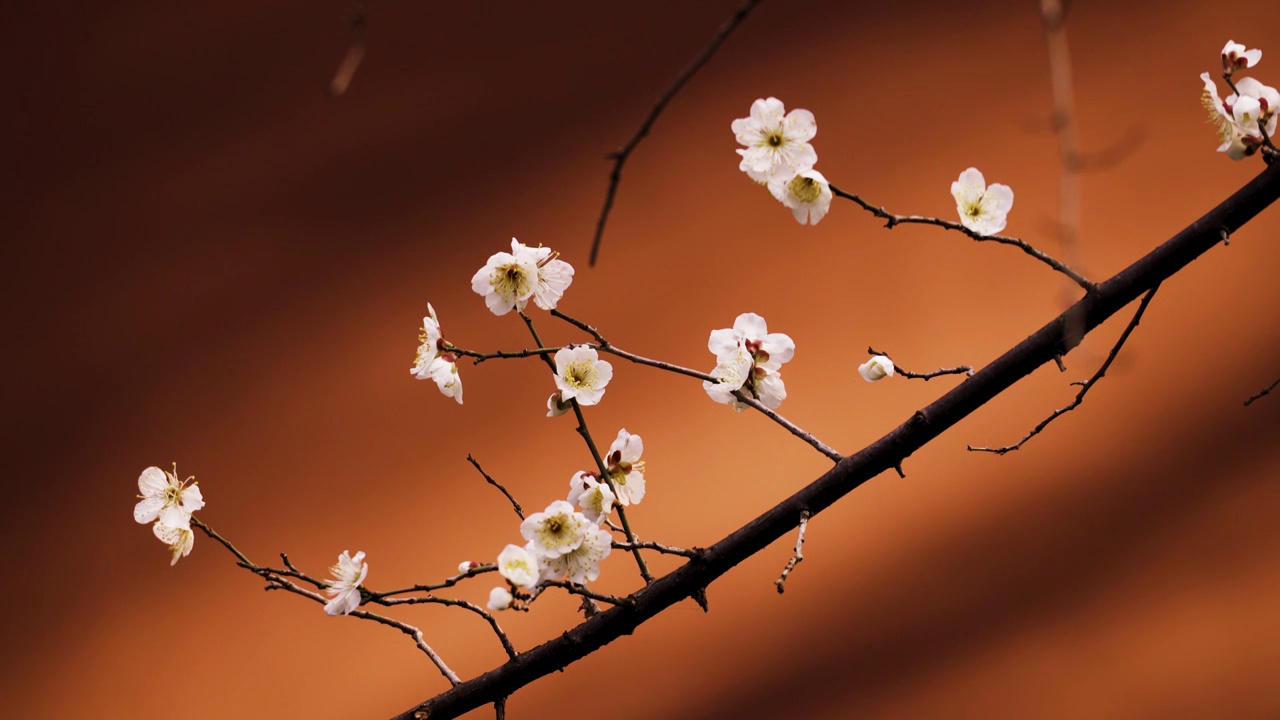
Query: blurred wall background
(211, 260)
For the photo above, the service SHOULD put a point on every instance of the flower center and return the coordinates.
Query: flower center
(973, 210)
(580, 375)
(774, 139)
(804, 189)
(511, 281)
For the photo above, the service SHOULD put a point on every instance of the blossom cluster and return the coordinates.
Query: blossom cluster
(778, 154)
(748, 359)
(1247, 118)
(565, 542)
(168, 503)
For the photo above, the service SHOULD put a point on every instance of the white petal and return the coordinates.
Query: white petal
(153, 481)
(148, 509)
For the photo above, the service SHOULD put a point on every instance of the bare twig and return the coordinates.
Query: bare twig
(892, 220)
(446, 583)
(576, 589)
(1263, 393)
(659, 547)
(514, 505)
(797, 557)
(356, 18)
(453, 602)
(966, 370)
(791, 427)
(502, 354)
(620, 156)
(1084, 386)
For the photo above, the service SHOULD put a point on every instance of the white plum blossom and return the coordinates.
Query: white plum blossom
(806, 193)
(161, 490)
(877, 368)
(750, 332)
(435, 358)
(518, 566)
(582, 564)
(174, 529)
(730, 375)
(982, 209)
(1236, 57)
(506, 282)
(626, 469)
(581, 374)
(1241, 116)
(500, 599)
(594, 497)
(748, 358)
(553, 276)
(556, 531)
(557, 406)
(467, 566)
(348, 573)
(777, 141)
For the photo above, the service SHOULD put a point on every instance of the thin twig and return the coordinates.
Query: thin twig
(893, 220)
(966, 370)
(797, 557)
(514, 505)
(446, 583)
(500, 708)
(791, 427)
(576, 589)
(620, 156)
(659, 547)
(453, 602)
(276, 581)
(1263, 393)
(501, 354)
(1084, 386)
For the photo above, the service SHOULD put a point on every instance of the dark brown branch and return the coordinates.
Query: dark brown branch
(620, 156)
(692, 578)
(514, 505)
(892, 220)
(1263, 393)
(1084, 386)
(797, 556)
(966, 370)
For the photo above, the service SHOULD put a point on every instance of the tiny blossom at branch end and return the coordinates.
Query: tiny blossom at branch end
(1236, 57)
(435, 358)
(626, 469)
(161, 489)
(500, 598)
(518, 566)
(877, 368)
(807, 194)
(174, 529)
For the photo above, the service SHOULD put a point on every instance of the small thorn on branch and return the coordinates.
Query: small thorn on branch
(795, 558)
(1062, 366)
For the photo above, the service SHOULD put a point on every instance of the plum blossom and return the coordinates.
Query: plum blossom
(806, 193)
(506, 282)
(982, 209)
(748, 358)
(626, 469)
(1236, 57)
(581, 374)
(555, 531)
(500, 598)
(174, 529)
(877, 368)
(594, 497)
(348, 573)
(556, 406)
(162, 490)
(518, 566)
(467, 566)
(1240, 117)
(436, 359)
(777, 142)
(582, 564)
(553, 276)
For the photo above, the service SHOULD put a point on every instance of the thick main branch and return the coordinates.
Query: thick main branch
(1052, 340)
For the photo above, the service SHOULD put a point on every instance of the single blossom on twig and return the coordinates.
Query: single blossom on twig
(581, 375)
(807, 194)
(348, 573)
(777, 141)
(982, 209)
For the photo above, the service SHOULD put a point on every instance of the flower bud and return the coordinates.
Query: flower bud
(877, 368)
(500, 599)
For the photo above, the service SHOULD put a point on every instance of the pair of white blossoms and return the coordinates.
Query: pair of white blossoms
(778, 154)
(1245, 115)
(168, 503)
